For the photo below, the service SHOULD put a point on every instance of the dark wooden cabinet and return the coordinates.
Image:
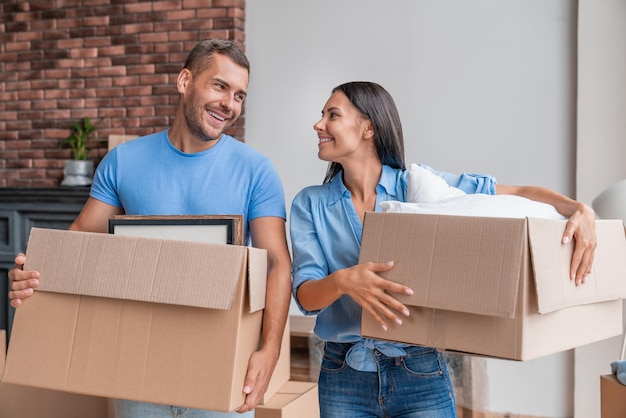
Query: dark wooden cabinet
(24, 208)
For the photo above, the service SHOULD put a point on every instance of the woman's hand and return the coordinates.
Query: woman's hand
(363, 284)
(581, 227)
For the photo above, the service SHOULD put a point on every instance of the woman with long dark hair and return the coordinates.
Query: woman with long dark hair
(360, 135)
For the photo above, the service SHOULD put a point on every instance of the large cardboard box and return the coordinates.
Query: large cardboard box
(156, 320)
(293, 400)
(496, 287)
(26, 402)
(217, 229)
(612, 397)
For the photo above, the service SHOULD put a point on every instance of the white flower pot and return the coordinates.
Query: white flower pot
(77, 173)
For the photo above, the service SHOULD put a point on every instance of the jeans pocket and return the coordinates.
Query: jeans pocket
(334, 358)
(423, 362)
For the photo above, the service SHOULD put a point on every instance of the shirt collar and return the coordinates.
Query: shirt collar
(388, 180)
(336, 188)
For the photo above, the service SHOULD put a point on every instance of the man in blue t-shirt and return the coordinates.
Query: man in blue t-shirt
(194, 168)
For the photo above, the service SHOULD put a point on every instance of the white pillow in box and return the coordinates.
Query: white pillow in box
(424, 186)
(429, 193)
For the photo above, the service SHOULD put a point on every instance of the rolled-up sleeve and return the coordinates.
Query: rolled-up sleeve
(309, 262)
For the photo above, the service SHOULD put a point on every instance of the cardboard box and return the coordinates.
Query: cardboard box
(26, 402)
(496, 287)
(216, 229)
(293, 400)
(155, 320)
(612, 397)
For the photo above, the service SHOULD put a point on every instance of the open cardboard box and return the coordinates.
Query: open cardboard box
(612, 397)
(496, 287)
(148, 319)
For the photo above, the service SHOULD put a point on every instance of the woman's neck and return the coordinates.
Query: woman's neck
(361, 180)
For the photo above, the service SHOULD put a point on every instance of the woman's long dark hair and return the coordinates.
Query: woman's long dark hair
(377, 105)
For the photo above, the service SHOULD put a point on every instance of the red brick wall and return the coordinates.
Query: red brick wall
(114, 61)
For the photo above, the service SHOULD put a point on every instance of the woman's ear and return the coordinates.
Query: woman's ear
(369, 130)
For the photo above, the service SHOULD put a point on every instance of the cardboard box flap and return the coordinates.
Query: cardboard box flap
(257, 277)
(551, 264)
(136, 268)
(431, 252)
(292, 399)
(295, 387)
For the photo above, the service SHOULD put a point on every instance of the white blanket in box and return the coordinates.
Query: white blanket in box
(429, 193)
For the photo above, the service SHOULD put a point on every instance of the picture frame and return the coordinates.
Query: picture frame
(215, 229)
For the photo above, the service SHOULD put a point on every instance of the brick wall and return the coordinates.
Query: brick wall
(114, 61)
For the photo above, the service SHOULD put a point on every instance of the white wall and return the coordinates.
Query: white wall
(601, 153)
(484, 86)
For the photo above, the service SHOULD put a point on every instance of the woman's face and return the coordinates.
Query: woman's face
(342, 130)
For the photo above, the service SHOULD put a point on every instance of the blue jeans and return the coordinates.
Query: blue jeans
(133, 409)
(413, 386)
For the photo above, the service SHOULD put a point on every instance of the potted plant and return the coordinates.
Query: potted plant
(78, 171)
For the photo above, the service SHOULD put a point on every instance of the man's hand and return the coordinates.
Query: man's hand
(23, 283)
(260, 369)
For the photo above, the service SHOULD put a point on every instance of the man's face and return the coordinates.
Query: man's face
(213, 98)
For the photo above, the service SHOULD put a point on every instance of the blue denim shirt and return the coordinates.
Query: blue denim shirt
(326, 236)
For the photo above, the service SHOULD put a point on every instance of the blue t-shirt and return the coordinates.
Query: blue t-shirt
(149, 176)
(326, 234)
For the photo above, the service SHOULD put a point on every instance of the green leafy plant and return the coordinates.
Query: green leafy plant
(77, 141)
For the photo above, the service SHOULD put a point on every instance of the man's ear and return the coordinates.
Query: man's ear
(183, 80)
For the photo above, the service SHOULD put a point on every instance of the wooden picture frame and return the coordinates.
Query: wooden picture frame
(215, 229)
